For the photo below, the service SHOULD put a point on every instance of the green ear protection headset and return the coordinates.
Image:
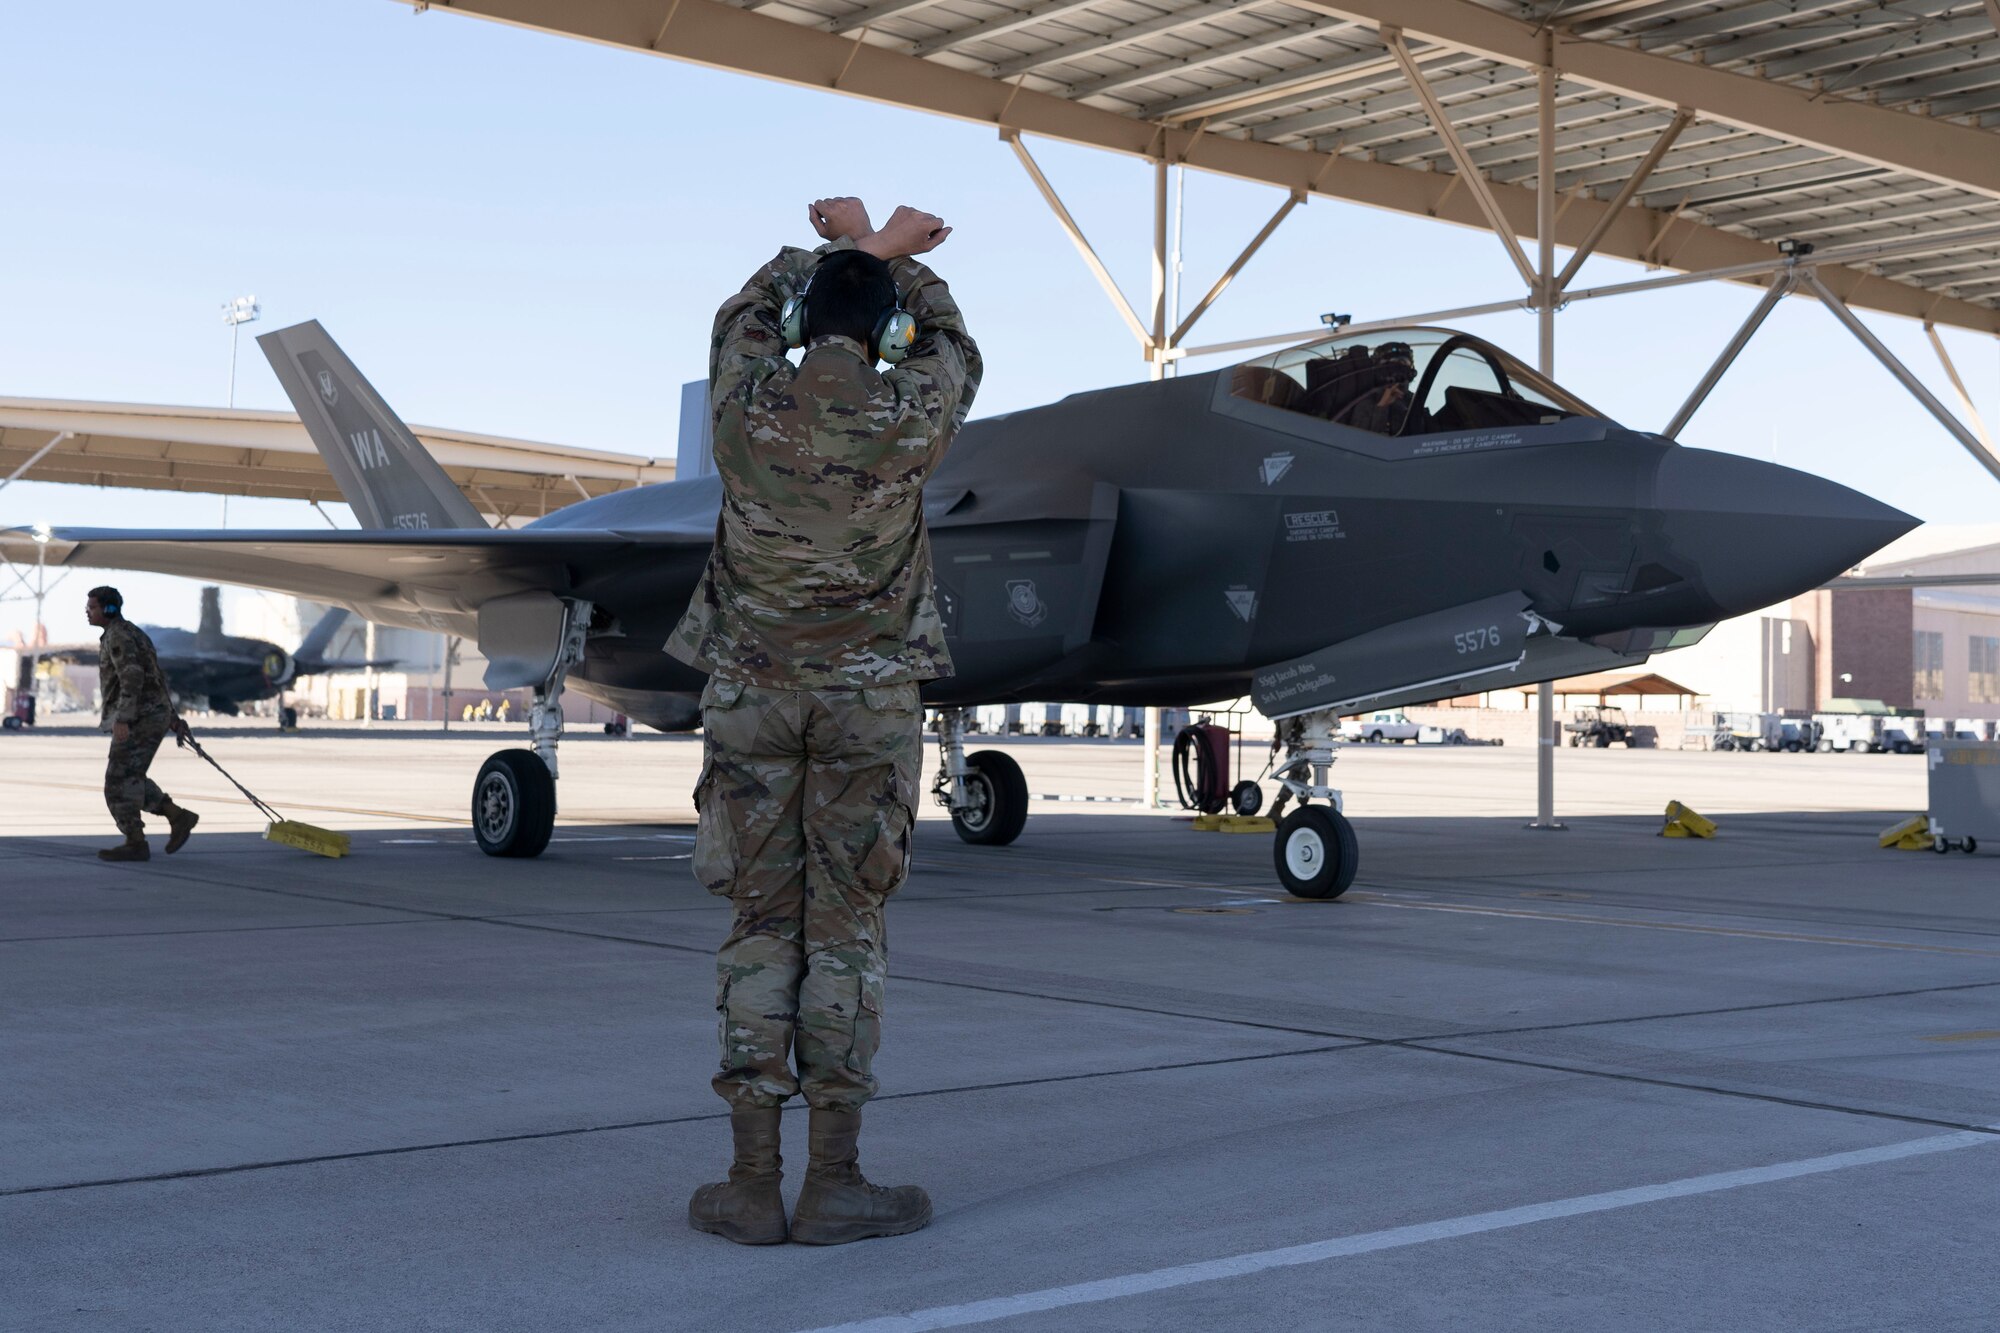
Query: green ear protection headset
(895, 332)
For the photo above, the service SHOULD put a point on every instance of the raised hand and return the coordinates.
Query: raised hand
(841, 215)
(909, 231)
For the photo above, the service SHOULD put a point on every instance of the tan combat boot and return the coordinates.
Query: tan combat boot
(747, 1208)
(132, 849)
(837, 1204)
(180, 823)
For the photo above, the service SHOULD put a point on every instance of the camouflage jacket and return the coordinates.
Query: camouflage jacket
(821, 572)
(129, 676)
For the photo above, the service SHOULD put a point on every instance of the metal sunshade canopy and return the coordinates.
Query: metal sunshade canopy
(244, 451)
(1689, 134)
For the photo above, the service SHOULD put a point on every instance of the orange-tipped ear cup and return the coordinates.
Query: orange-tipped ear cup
(895, 335)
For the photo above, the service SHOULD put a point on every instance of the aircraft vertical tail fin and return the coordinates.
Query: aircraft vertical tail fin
(386, 475)
(313, 647)
(209, 632)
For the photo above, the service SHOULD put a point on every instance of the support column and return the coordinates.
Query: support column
(1150, 789)
(1547, 732)
(1149, 782)
(371, 688)
(1156, 365)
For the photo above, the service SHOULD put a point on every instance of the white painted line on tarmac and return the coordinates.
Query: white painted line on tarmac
(1684, 927)
(1422, 1233)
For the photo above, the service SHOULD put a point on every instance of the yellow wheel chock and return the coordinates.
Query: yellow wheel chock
(1234, 824)
(1685, 823)
(1912, 835)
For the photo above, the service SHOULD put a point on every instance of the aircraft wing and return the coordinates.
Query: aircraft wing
(434, 580)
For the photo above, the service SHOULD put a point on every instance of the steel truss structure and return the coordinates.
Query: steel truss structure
(1845, 149)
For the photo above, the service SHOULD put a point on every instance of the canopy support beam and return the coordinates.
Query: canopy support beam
(1909, 381)
(1082, 244)
(1616, 208)
(1870, 252)
(1781, 287)
(1944, 357)
(1482, 192)
(35, 458)
(1296, 198)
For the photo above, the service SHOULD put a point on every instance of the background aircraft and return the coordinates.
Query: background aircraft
(1376, 519)
(226, 671)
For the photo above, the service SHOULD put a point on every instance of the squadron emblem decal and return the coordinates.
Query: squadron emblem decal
(327, 388)
(1025, 603)
(1274, 467)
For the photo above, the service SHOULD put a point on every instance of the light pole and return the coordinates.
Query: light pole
(37, 593)
(243, 310)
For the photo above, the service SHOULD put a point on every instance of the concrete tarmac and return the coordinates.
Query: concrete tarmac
(1593, 1079)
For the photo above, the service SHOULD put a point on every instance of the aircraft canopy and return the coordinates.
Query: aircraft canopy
(1408, 381)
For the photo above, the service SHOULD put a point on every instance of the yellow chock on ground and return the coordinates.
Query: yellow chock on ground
(1912, 835)
(1234, 824)
(1685, 823)
(318, 841)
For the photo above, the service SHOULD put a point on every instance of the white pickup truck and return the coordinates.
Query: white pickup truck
(1375, 728)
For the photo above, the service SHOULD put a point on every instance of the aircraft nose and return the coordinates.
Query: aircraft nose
(1760, 533)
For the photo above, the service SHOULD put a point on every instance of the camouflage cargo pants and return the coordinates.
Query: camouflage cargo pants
(127, 789)
(806, 800)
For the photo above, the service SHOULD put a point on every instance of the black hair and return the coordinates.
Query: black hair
(108, 599)
(850, 291)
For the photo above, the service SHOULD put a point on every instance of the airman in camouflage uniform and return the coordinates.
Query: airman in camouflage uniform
(138, 711)
(816, 620)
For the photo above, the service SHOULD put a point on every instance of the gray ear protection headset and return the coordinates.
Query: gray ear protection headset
(895, 332)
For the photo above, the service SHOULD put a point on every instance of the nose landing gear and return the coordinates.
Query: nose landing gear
(985, 791)
(1316, 852)
(514, 797)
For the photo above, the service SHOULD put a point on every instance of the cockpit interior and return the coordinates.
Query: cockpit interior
(1414, 381)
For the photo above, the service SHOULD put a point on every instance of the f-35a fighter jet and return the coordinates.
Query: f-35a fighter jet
(226, 671)
(1373, 520)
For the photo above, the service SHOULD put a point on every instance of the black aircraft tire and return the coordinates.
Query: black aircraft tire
(514, 804)
(1246, 798)
(1000, 795)
(1316, 852)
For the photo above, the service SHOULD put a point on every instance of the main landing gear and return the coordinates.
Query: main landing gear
(1316, 851)
(985, 791)
(514, 797)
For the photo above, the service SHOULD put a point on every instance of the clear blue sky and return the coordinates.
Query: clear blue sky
(521, 234)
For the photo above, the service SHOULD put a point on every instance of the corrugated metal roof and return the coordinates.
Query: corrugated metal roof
(1317, 77)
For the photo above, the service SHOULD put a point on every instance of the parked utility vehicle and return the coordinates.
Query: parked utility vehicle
(1375, 728)
(1600, 726)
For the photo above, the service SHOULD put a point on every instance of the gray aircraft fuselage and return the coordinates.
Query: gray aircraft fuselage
(1157, 543)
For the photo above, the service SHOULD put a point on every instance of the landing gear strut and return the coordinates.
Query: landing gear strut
(985, 791)
(1316, 852)
(514, 797)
